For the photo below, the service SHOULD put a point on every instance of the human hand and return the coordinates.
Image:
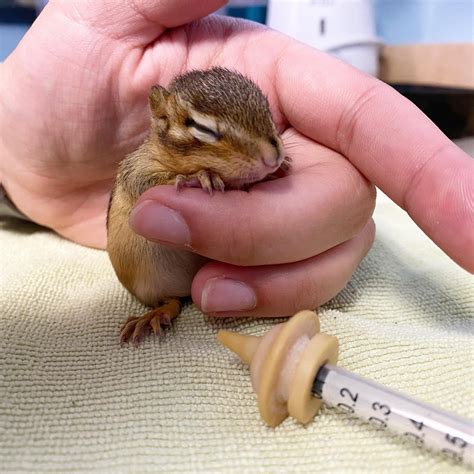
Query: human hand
(80, 105)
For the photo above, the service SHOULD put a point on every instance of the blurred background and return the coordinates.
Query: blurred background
(423, 48)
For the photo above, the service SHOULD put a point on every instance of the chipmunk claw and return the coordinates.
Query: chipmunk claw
(217, 182)
(204, 179)
(286, 164)
(179, 182)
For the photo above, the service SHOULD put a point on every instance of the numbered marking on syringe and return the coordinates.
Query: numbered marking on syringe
(418, 437)
(448, 444)
(456, 442)
(386, 409)
(379, 414)
(350, 400)
(383, 412)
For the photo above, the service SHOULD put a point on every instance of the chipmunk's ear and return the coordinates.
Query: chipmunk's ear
(158, 99)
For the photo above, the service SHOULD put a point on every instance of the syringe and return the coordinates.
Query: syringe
(293, 371)
(387, 409)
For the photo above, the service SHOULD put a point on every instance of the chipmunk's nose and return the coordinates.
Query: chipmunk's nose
(271, 154)
(270, 161)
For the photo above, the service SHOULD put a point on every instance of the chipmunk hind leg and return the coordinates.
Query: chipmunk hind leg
(136, 327)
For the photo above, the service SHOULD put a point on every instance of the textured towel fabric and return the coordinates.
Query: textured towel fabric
(73, 400)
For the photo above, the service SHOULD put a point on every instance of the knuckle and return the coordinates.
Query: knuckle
(241, 245)
(351, 116)
(309, 291)
(360, 196)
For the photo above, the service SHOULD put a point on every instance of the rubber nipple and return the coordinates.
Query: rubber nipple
(283, 365)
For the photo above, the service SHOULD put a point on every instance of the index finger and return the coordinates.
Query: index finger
(387, 138)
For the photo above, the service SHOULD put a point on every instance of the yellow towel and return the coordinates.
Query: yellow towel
(73, 400)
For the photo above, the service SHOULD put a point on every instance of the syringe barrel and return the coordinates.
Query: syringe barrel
(387, 409)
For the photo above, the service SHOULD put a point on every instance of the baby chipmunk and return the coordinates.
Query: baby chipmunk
(211, 129)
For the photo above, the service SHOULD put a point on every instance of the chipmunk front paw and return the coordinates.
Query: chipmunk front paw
(207, 180)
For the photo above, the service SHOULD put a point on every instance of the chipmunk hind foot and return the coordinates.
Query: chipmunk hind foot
(137, 327)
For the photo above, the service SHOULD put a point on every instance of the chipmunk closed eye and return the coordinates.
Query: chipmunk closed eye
(211, 129)
(203, 131)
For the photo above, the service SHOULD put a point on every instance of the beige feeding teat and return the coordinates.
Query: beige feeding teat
(283, 365)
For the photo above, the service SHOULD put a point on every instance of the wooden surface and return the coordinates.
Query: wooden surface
(442, 65)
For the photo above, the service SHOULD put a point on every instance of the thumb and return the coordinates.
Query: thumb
(141, 21)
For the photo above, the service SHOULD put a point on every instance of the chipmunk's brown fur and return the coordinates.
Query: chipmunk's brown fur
(210, 128)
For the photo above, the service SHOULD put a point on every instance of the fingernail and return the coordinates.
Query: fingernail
(160, 223)
(224, 294)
